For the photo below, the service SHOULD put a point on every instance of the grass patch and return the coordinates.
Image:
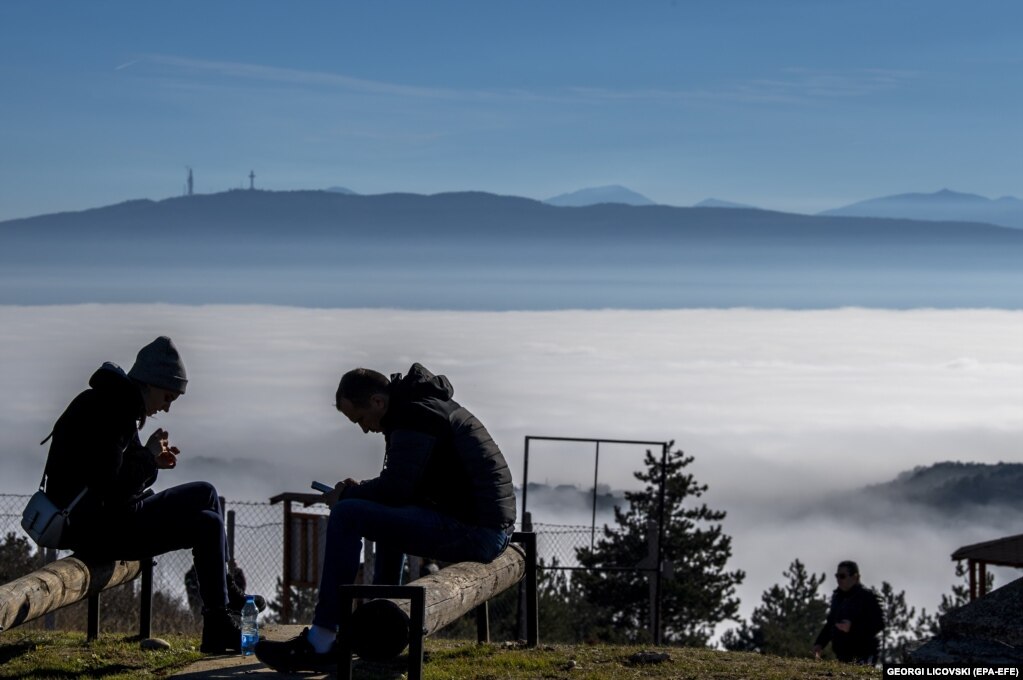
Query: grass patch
(47, 654)
(39, 655)
(457, 660)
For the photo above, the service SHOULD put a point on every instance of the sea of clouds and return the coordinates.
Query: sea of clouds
(784, 411)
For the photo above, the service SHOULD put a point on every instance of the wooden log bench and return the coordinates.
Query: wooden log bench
(400, 616)
(70, 580)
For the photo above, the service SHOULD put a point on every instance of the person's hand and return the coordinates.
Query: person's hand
(164, 455)
(844, 626)
(332, 497)
(817, 649)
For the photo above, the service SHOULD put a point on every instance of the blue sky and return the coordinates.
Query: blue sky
(797, 105)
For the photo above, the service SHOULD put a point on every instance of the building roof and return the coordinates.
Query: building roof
(1004, 552)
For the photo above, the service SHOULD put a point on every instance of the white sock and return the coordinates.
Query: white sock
(320, 638)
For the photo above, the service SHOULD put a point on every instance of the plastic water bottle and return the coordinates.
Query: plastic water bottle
(250, 626)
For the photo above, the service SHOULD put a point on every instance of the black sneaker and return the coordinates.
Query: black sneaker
(220, 633)
(236, 598)
(295, 655)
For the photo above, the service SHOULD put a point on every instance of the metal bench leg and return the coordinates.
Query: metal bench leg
(416, 595)
(146, 596)
(483, 623)
(417, 626)
(92, 618)
(344, 641)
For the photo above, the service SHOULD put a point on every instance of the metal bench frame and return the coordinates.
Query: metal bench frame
(417, 613)
(145, 608)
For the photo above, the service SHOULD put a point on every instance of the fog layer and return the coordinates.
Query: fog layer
(784, 411)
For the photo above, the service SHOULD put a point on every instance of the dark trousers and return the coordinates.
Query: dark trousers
(185, 516)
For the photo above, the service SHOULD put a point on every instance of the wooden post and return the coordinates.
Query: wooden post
(380, 628)
(290, 542)
(973, 579)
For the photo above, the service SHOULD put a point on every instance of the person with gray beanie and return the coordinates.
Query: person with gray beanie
(95, 446)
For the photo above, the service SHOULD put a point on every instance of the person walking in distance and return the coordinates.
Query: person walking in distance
(855, 619)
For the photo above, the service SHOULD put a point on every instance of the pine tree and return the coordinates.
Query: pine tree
(18, 557)
(701, 593)
(303, 604)
(901, 634)
(788, 618)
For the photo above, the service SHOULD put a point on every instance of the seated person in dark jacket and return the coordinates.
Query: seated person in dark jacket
(95, 445)
(854, 619)
(445, 493)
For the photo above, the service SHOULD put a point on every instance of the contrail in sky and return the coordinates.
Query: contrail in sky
(126, 64)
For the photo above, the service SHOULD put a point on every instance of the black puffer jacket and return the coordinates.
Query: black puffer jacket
(439, 455)
(860, 607)
(96, 445)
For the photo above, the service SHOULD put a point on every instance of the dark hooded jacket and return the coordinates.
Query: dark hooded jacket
(438, 455)
(95, 444)
(860, 607)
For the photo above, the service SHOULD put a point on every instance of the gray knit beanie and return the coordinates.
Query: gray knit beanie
(160, 365)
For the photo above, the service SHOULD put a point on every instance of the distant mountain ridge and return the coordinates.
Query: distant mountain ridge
(942, 205)
(716, 203)
(955, 485)
(613, 193)
(474, 250)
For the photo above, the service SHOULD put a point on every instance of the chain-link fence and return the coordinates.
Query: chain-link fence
(255, 530)
(557, 544)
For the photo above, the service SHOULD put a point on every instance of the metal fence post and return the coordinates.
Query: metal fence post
(660, 544)
(522, 615)
(230, 535)
(529, 620)
(286, 575)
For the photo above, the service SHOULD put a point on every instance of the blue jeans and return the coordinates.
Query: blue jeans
(405, 529)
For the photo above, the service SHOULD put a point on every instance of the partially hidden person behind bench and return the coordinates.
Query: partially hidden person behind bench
(445, 493)
(854, 619)
(96, 445)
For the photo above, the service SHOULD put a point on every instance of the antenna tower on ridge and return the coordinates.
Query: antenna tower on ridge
(252, 180)
(189, 181)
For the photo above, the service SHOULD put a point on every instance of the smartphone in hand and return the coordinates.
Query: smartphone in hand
(321, 487)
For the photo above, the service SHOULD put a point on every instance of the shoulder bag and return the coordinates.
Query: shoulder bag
(43, 521)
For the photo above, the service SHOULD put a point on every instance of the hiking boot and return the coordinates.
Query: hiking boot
(236, 598)
(295, 655)
(220, 633)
